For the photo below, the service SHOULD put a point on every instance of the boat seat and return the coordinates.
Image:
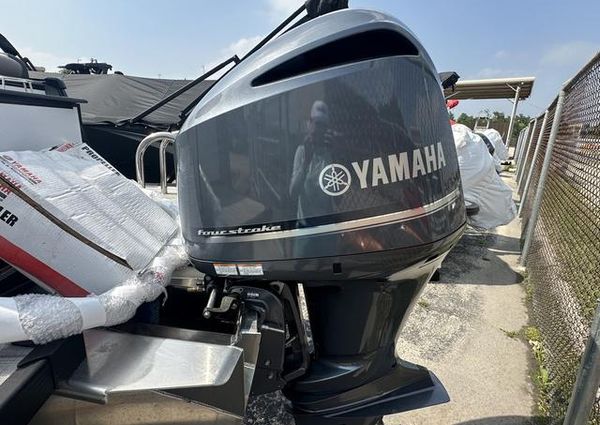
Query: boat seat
(12, 66)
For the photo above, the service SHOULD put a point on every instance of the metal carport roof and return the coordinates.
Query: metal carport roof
(495, 88)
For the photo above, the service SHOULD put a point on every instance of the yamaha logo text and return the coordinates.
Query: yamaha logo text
(336, 179)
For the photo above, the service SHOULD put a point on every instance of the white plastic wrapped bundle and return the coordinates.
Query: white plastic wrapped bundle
(497, 163)
(495, 137)
(482, 186)
(44, 318)
(491, 147)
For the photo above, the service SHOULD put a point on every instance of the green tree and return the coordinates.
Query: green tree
(521, 121)
(499, 116)
(498, 121)
(467, 120)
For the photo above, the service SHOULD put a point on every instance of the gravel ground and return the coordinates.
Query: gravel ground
(268, 409)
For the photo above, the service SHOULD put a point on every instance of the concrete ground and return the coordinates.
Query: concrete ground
(462, 331)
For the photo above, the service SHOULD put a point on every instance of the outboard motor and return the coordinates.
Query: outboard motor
(325, 158)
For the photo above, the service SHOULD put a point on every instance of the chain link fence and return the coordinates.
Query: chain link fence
(563, 260)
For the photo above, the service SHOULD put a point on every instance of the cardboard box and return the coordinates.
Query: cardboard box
(73, 224)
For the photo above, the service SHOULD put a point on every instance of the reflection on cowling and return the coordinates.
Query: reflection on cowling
(311, 157)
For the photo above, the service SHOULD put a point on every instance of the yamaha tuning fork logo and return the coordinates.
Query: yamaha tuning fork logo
(335, 179)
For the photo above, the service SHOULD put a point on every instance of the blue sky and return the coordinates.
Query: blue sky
(548, 39)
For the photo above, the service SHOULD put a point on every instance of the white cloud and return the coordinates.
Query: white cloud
(574, 52)
(239, 47)
(281, 9)
(48, 60)
(276, 10)
(501, 54)
(490, 72)
(242, 46)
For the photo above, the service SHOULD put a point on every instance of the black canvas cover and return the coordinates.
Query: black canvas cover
(114, 98)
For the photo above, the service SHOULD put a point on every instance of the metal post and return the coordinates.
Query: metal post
(520, 144)
(513, 115)
(530, 131)
(519, 137)
(588, 379)
(521, 147)
(521, 134)
(162, 162)
(537, 201)
(526, 150)
(524, 134)
(535, 155)
(525, 142)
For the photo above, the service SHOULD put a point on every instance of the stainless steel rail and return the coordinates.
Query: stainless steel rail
(165, 138)
(23, 83)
